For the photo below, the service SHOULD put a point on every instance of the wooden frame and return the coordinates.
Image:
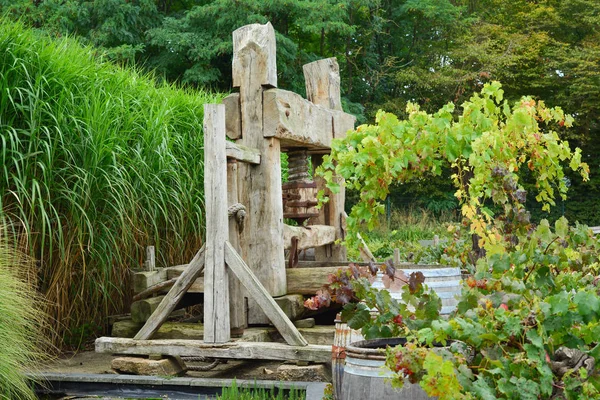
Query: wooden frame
(263, 121)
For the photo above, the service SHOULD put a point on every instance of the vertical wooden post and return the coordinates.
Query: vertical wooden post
(322, 79)
(237, 303)
(150, 259)
(216, 282)
(260, 191)
(396, 257)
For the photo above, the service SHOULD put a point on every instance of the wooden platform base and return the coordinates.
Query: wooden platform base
(197, 348)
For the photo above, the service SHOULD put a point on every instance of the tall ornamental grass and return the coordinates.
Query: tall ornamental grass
(98, 162)
(21, 324)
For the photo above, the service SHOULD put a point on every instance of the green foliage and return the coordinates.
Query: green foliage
(485, 148)
(235, 392)
(518, 313)
(99, 162)
(22, 322)
(534, 293)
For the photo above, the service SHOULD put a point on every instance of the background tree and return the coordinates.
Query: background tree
(390, 52)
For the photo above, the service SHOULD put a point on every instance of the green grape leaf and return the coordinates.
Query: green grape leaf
(360, 319)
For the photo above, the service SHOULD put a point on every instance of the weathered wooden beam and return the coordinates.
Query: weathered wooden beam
(150, 263)
(308, 280)
(237, 301)
(296, 121)
(198, 348)
(254, 46)
(311, 236)
(233, 118)
(185, 280)
(242, 153)
(254, 69)
(322, 79)
(216, 278)
(263, 298)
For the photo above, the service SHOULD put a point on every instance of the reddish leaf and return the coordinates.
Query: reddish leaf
(415, 282)
(355, 271)
(324, 298)
(373, 268)
(390, 269)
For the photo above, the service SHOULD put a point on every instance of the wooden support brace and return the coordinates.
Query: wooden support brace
(262, 297)
(259, 186)
(216, 280)
(185, 280)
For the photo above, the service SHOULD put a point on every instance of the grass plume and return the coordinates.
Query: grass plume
(22, 324)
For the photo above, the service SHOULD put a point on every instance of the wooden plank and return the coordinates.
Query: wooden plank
(195, 267)
(312, 236)
(198, 348)
(263, 298)
(322, 78)
(237, 301)
(242, 153)
(216, 279)
(254, 68)
(233, 119)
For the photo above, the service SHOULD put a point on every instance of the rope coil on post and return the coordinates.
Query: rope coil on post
(238, 211)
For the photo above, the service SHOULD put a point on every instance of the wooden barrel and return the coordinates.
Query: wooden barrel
(364, 377)
(343, 337)
(445, 281)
